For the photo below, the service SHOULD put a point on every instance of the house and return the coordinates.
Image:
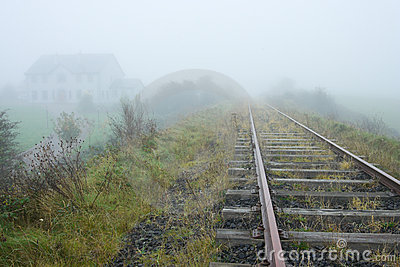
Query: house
(126, 87)
(66, 78)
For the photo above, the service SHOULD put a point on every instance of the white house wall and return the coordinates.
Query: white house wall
(50, 88)
(108, 75)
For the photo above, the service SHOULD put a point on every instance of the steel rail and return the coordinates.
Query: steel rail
(273, 248)
(373, 171)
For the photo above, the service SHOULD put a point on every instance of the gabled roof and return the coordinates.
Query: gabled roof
(76, 63)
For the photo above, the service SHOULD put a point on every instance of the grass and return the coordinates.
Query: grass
(385, 107)
(49, 232)
(33, 123)
(316, 224)
(364, 204)
(37, 121)
(380, 150)
(57, 235)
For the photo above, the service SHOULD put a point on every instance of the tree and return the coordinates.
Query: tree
(8, 150)
(68, 126)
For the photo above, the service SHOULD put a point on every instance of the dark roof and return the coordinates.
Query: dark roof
(77, 63)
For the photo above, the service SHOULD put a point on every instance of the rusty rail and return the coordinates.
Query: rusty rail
(373, 171)
(273, 246)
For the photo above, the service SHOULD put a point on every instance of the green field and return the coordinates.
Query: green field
(37, 121)
(33, 124)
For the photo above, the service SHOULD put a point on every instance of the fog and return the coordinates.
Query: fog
(345, 46)
(348, 48)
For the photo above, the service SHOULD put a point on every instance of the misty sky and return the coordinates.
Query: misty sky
(346, 46)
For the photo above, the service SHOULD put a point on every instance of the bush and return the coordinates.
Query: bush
(54, 173)
(133, 125)
(68, 126)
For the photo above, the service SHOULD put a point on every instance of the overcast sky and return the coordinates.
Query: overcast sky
(343, 45)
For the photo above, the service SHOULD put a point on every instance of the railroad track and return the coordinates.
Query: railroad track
(299, 199)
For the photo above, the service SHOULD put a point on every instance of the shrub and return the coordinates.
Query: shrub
(53, 172)
(374, 125)
(133, 125)
(68, 126)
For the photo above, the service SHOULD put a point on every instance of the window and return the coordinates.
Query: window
(44, 79)
(78, 78)
(90, 78)
(33, 78)
(34, 95)
(61, 78)
(44, 95)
